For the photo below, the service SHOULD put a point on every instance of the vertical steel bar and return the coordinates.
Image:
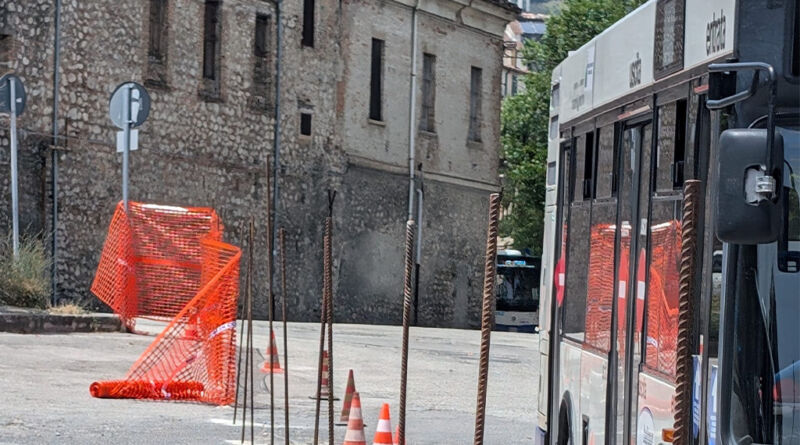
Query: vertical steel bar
(407, 296)
(329, 291)
(14, 173)
(270, 308)
(249, 311)
(490, 264)
(323, 317)
(686, 297)
(284, 293)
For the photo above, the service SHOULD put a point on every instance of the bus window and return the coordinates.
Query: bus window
(671, 157)
(606, 167)
(578, 227)
(600, 291)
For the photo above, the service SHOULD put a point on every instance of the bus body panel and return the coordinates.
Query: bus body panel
(570, 385)
(594, 373)
(654, 413)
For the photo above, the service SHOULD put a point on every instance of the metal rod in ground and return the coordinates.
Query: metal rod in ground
(270, 308)
(328, 279)
(683, 389)
(285, 337)
(248, 311)
(251, 349)
(488, 310)
(407, 296)
(239, 364)
(329, 290)
(323, 316)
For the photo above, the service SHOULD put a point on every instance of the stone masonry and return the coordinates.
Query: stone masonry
(207, 142)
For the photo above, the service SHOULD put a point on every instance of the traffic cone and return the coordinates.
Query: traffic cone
(355, 424)
(272, 364)
(383, 434)
(348, 397)
(325, 387)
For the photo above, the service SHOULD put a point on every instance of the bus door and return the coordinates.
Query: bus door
(634, 147)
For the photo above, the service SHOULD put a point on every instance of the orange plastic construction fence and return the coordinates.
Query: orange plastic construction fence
(169, 262)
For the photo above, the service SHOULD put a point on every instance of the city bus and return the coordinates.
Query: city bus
(678, 90)
(517, 302)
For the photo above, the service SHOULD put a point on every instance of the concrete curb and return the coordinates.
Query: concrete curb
(25, 321)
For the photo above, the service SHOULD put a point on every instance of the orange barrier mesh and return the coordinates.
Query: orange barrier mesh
(168, 261)
(151, 264)
(600, 291)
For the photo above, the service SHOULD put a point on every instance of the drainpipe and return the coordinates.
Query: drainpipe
(54, 150)
(412, 104)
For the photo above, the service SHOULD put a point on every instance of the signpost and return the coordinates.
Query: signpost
(128, 108)
(12, 101)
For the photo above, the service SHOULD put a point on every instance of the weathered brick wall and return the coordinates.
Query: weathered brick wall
(199, 152)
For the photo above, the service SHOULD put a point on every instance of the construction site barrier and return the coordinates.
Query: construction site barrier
(163, 262)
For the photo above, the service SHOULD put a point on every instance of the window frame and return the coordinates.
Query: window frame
(475, 104)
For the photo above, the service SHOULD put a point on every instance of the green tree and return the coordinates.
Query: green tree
(525, 117)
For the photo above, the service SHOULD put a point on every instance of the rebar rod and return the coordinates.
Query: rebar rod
(329, 291)
(239, 361)
(684, 369)
(490, 264)
(407, 296)
(248, 337)
(270, 304)
(323, 317)
(284, 293)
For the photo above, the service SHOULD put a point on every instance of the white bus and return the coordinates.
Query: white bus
(678, 90)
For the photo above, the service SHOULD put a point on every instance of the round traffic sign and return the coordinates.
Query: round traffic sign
(5, 94)
(138, 100)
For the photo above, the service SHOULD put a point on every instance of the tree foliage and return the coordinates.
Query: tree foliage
(525, 117)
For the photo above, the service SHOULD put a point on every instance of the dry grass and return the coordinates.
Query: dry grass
(24, 282)
(67, 309)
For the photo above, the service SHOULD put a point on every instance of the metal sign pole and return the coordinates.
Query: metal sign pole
(14, 191)
(126, 149)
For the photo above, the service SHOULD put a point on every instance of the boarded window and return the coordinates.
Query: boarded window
(262, 51)
(158, 42)
(308, 23)
(376, 81)
(427, 119)
(475, 90)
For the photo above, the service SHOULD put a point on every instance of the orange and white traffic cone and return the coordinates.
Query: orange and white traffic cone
(355, 424)
(325, 387)
(348, 397)
(383, 434)
(272, 364)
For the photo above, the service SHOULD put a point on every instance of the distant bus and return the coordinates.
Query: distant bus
(517, 291)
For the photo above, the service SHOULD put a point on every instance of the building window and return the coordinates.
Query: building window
(212, 29)
(514, 87)
(6, 49)
(588, 167)
(305, 124)
(308, 23)
(376, 81)
(261, 71)
(428, 117)
(158, 40)
(475, 89)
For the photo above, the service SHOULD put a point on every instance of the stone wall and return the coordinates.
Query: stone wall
(200, 152)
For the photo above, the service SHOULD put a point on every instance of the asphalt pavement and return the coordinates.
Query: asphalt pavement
(44, 388)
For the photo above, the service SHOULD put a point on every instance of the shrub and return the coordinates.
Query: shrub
(24, 282)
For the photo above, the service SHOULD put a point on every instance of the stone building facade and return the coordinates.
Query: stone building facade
(210, 69)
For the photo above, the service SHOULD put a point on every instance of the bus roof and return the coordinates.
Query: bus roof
(653, 42)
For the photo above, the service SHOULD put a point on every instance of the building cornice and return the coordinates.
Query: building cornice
(489, 16)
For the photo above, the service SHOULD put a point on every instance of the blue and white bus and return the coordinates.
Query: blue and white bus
(517, 291)
(704, 90)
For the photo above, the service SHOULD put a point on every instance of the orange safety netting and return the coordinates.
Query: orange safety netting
(169, 262)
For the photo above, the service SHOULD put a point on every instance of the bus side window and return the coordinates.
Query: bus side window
(671, 154)
(606, 163)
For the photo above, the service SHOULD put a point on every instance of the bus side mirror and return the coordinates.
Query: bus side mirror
(749, 208)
